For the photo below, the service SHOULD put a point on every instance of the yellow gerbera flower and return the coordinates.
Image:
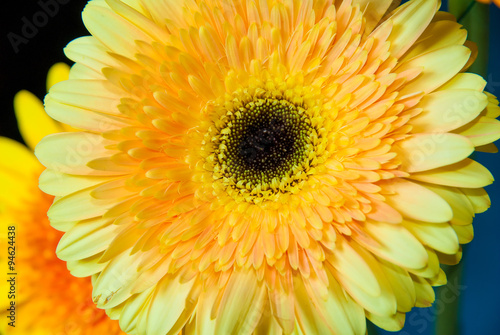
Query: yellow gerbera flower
(47, 299)
(266, 166)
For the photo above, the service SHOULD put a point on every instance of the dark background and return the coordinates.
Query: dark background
(479, 293)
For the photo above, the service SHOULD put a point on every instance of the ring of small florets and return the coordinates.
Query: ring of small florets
(264, 143)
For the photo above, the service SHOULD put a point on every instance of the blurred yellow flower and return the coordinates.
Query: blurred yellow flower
(496, 2)
(48, 299)
(266, 167)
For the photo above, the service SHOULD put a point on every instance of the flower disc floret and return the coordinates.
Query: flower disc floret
(261, 144)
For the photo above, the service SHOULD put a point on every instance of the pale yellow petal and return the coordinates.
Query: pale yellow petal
(86, 267)
(438, 35)
(425, 292)
(478, 197)
(113, 30)
(465, 81)
(351, 265)
(397, 245)
(381, 304)
(481, 131)
(94, 95)
(78, 206)
(463, 212)
(401, 283)
(74, 151)
(423, 152)
(242, 304)
(465, 233)
(438, 67)
(83, 118)
(391, 323)
(132, 308)
(467, 173)
(439, 236)
(447, 110)
(61, 184)
(311, 316)
(409, 198)
(373, 11)
(86, 239)
(162, 317)
(409, 21)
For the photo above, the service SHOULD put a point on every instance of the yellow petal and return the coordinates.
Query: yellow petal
(409, 198)
(113, 30)
(432, 268)
(409, 21)
(447, 110)
(439, 236)
(34, 123)
(83, 118)
(351, 265)
(86, 267)
(162, 317)
(86, 239)
(423, 152)
(75, 151)
(425, 292)
(383, 303)
(339, 311)
(203, 320)
(490, 148)
(438, 67)
(438, 35)
(242, 304)
(17, 159)
(373, 11)
(90, 53)
(465, 81)
(465, 233)
(14, 190)
(60, 184)
(478, 197)
(467, 173)
(482, 131)
(94, 95)
(78, 206)
(57, 73)
(450, 259)
(391, 323)
(401, 283)
(463, 212)
(312, 322)
(132, 309)
(397, 245)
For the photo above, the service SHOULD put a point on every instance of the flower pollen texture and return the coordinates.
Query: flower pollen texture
(266, 166)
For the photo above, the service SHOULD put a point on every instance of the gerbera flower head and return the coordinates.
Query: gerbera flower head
(266, 166)
(48, 299)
